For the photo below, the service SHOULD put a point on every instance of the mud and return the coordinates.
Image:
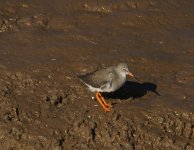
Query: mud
(45, 44)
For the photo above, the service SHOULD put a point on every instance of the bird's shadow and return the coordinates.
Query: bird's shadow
(132, 90)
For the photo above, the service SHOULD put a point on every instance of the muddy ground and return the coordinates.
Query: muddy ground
(45, 44)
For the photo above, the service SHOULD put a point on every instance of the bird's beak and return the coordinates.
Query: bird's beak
(130, 74)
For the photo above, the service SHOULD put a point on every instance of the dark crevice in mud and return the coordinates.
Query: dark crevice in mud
(58, 100)
(8, 116)
(93, 134)
(18, 113)
(7, 91)
(47, 99)
(132, 137)
(61, 143)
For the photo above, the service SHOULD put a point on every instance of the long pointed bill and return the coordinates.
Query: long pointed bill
(130, 74)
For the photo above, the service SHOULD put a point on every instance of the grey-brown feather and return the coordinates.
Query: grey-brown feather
(105, 80)
(99, 78)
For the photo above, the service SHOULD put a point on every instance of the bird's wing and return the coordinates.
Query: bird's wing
(100, 78)
(106, 85)
(107, 81)
(87, 78)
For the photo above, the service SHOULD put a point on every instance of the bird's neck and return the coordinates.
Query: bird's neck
(123, 76)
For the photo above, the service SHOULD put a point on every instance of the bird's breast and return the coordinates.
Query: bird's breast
(118, 83)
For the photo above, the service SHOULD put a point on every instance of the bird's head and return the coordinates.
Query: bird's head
(123, 69)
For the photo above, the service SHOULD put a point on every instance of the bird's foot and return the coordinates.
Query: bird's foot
(106, 106)
(107, 109)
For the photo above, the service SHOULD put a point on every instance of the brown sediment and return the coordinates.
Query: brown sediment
(44, 45)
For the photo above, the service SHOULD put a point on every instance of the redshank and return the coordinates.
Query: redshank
(106, 80)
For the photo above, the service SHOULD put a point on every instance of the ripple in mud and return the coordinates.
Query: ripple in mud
(4, 25)
(97, 9)
(39, 21)
(36, 21)
(185, 77)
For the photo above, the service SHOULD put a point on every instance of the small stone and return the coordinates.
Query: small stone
(24, 5)
(185, 97)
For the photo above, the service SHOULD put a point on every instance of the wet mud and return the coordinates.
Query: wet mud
(44, 45)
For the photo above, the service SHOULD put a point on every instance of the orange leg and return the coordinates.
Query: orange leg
(101, 101)
(108, 105)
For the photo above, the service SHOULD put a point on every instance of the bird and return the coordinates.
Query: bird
(106, 80)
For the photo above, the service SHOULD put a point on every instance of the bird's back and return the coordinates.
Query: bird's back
(98, 78)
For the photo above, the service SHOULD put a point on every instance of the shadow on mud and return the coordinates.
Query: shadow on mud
(132, 90)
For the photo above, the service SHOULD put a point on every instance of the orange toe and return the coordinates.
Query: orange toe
(106, 106)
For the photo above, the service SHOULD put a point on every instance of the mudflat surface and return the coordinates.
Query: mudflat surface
(44, 44)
